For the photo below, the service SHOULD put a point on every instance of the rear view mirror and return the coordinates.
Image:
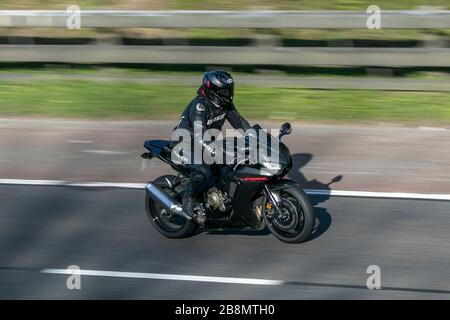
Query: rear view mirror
(285, 129)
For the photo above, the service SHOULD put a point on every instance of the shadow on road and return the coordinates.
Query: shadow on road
(243, 232)
(323, 218)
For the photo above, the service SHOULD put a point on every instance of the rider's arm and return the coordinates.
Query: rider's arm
(236, 120)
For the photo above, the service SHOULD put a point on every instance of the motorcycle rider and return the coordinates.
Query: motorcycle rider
(209, 109)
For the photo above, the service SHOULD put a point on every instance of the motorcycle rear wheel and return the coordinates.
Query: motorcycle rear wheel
(169, 225)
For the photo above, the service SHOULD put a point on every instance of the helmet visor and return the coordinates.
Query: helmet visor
(226, 92)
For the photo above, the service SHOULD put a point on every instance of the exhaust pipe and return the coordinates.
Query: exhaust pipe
(167, 202)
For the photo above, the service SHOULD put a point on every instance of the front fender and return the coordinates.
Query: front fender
(282, 184)
(275, 188)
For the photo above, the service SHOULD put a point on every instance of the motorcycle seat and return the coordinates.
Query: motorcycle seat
(157, 147)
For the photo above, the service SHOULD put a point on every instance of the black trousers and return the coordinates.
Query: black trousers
(200, 173)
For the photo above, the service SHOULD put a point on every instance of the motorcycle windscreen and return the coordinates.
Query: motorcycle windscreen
(266, 151)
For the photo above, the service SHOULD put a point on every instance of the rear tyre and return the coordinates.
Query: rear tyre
(166, 223)
(296, 223)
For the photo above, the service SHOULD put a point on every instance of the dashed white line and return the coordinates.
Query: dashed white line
(348, 172)
(164, 276)
(123, 185)
(432, 128)
(320, 192)
(79, 141)
(106, 152)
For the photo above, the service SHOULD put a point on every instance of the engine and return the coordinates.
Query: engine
(216, 200)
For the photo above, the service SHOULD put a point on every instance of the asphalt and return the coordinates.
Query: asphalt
(369, 157)
(107, 229)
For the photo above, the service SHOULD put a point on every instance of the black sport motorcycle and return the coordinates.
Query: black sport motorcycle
(239, 195)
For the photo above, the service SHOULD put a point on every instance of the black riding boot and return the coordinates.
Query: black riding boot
(196, 183)
(188, 208)
(188, 205)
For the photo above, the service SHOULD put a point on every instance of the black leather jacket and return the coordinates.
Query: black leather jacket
(211, 117)
(203, 112)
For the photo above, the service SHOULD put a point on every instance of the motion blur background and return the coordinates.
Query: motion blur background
(396, 73)
(372, 106)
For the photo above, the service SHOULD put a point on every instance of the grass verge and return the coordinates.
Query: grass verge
(129, 100)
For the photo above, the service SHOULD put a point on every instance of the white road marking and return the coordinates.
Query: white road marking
(370, 194)
(164, 276)
(144, 165)
(72, 183)
(432, 129)
(108, 152)
(127, 185)
(79, 141)
(348, 172)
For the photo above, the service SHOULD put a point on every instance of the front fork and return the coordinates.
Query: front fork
(272, 192)
(274, 198)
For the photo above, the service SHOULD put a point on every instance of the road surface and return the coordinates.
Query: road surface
(386, 158)
(105, 229)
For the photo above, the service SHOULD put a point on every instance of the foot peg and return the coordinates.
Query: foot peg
(147, 155)
(200, 219)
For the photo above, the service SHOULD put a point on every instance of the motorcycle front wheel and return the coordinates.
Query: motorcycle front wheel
(295, 222)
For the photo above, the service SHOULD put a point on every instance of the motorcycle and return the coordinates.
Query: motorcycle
(240, 195)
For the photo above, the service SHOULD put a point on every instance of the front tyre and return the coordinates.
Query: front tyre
(296, 221)
(168, 224)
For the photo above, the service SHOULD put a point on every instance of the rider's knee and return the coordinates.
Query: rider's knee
(204, 170)
(199, 175)
(198, 179)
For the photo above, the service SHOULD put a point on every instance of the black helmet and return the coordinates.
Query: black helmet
(218, 86)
